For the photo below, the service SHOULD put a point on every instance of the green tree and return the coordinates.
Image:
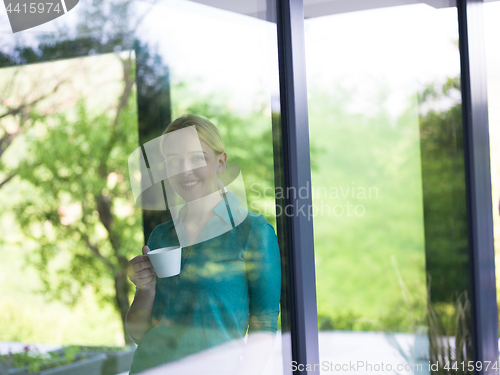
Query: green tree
(445, 221)
(105, 26)
(82, 214)
(443, 180)
(21, 107)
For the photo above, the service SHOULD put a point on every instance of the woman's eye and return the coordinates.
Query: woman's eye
(198, 159)
(173, 161)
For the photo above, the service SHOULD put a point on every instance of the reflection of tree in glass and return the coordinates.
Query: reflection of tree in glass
(360, 288)
(25, 99)
(443, 180)
(445, 220)
(80, 202)
(105, 26)
(373, 150)
(82, 210)
(450, 337)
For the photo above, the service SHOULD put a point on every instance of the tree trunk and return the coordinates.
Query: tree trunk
(122, 289)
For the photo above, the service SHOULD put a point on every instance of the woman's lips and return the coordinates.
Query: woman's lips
(189, 185)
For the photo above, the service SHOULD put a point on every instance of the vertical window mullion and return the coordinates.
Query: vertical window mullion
(478, 182)
(296, 226)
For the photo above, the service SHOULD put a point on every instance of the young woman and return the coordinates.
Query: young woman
(230, 280)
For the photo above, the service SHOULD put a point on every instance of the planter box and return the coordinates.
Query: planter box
(91, 365)
(117, 361)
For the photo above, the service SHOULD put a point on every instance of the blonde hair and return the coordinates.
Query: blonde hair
(207, 132)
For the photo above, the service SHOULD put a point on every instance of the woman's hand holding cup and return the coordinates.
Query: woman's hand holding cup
(140, 271)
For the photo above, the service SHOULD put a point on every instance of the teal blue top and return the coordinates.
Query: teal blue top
(227, 284)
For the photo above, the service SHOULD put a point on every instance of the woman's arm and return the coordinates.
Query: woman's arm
(140, 314)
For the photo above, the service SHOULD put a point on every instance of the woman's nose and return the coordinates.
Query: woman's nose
(187, 166)
(183, 166)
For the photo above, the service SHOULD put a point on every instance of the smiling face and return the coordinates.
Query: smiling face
(193, 167)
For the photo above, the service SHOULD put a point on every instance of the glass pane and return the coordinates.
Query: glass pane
(492, 38)
(127, 124)
(388, 187)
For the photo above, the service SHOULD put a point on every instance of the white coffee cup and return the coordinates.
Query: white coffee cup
(166, 261)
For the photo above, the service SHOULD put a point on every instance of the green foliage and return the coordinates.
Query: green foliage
(358, 287)
(407, 316)
(346, 321)
(35, 361)
(102, 349)
(74, 200)
(450, 320)
(370, 269)
(443, 180)
(78, 210)
(33, 319)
